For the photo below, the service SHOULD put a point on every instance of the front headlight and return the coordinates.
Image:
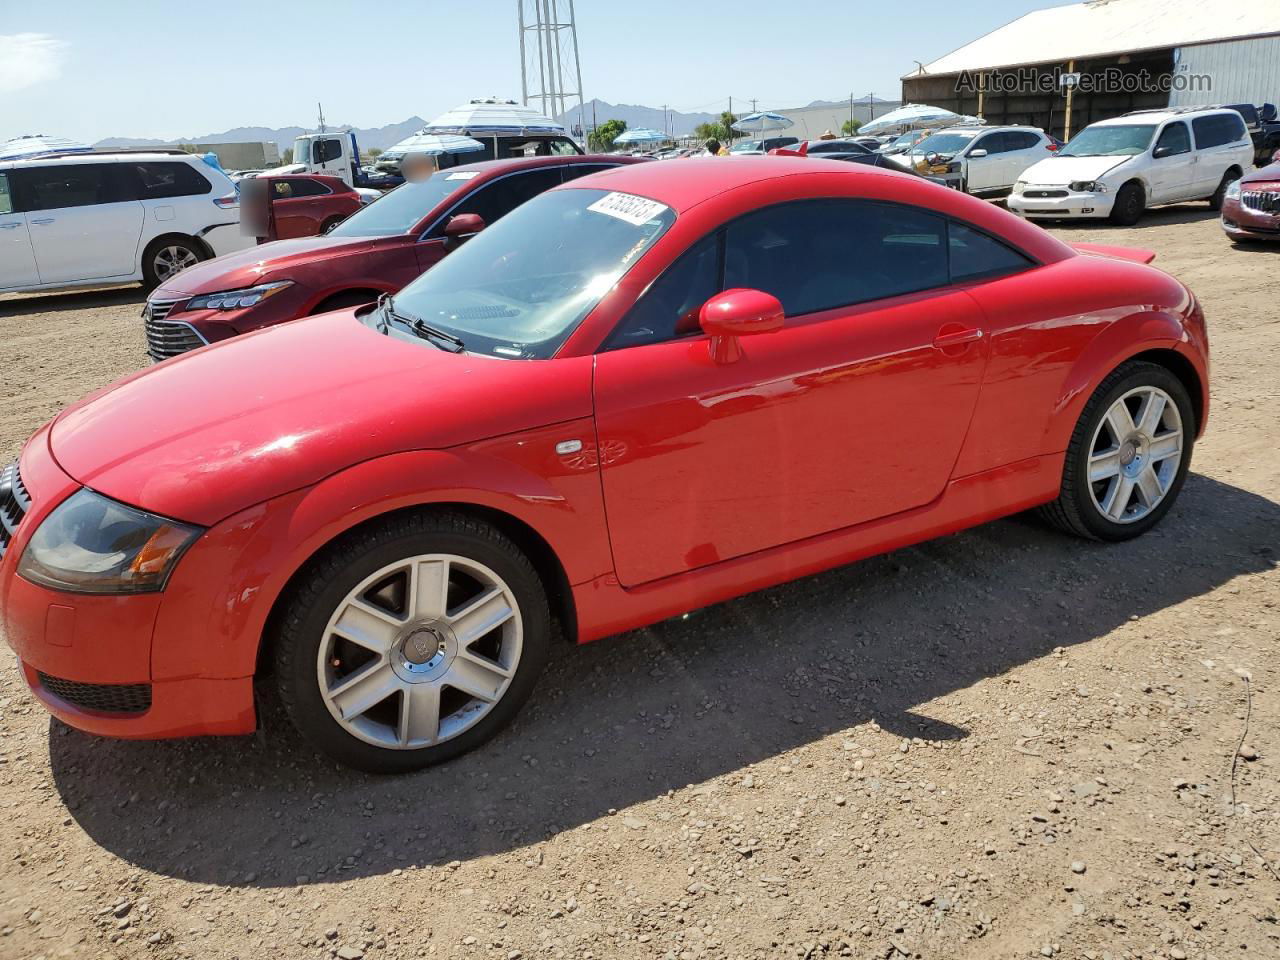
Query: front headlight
(1233, 190)
(235, 299)
(1088, 186)
(1020, 186)
(90, 544)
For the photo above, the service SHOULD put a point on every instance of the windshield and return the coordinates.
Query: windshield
(943, 143)
(398, 211)
(746, 146)
(1110, 141)
(519, 288)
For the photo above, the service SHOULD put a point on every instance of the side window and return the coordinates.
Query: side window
(1175, 139)
(326, 150)
(992, 143)
(977, 256)
(303, 187)
(282, 189)
(6, 198)
(1217, 129)
(1021, 140)
(495, 200)
(816, 255)
(670, 307)
(575, 170)
(563, 148)
(57, 187)
(171, 179)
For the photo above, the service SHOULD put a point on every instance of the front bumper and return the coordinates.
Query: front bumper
(92, 661)
(1241, 223)
(1070, 205)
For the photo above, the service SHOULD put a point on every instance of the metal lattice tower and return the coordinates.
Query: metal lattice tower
(550, 73)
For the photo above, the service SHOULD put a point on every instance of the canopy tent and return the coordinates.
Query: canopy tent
(640, 135)
(915, 116)
(31, 146)
(493, 116)
(762, 122)
(433, 144)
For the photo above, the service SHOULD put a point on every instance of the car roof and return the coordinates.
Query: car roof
(1160, 116)
(87, 157)
(487, 169)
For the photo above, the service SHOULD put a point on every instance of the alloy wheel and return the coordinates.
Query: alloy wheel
(172, 260)
(420, 651)
(1135, 454)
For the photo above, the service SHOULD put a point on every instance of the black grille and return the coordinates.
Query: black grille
(1267, 201)
(14, 504)
(167, 338)
(102, 697)
(1043, 194)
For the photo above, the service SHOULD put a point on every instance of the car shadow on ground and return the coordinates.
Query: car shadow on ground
(72, 300)
(1154, 217)
(626, 719)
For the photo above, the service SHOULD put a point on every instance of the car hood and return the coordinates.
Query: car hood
(1059, 170)
(1266, 174)
(211, 432)
(259, 264)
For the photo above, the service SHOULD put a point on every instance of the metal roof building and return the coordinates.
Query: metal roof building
(1116, 55)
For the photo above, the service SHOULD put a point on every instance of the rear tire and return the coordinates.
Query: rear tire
(1126, 462)
(1228, 178)
(330, 224)
(411, 642)
(166, 257)
(1130, 203)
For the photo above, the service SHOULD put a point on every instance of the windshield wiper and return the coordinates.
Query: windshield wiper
(446, 341)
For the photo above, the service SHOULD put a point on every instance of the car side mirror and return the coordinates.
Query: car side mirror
(740, 312)
(977, 154)
(1159, 153)
(464, 225)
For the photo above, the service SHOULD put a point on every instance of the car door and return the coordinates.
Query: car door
(1172, 173)
(17, 259)
(985, 172)
(83, 224)
(1024, 149)
(1220, 139)
(855, 410)
(297, 206)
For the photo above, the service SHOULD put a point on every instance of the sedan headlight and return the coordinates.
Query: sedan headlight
(235, 299)
(1233, 190)
(90, 544)
(1088, 186)
(1020, 186)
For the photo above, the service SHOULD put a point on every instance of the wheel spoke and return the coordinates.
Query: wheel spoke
(1120, 421)
(367, 626)
(1149, 489)
(1151, 412)
(1118, 497)
(428, 589)
(480, 616)
(1162, 448)
(366, 689)
(1104, 466)
(419, 713)
(476, 677)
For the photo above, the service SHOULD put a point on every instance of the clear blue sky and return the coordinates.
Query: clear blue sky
(90, 69)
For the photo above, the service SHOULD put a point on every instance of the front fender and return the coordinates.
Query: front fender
(251, 556)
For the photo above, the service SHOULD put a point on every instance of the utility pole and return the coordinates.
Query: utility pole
(753, 104)
(320, 110)
(729, 125)
(851, 112)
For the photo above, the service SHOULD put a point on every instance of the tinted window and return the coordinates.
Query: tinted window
(576, 170)
(837, 146)
(1174, 139)
(305, 187)
(815, 255)
(69, 185)
(6, 198)
(404, 207)
(975, 255)
(495, 200)
(1217, 129)
(992, 143)
(670, 307)
(327, 150)
(1021, 140)
(168, 179)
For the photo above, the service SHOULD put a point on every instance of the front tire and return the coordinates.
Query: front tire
(412, 642)
(166, 257)
(1128, 457)
(1131, 201)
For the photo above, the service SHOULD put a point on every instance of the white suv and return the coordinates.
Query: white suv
(1117, 168)
(985, 161)
(90, 219)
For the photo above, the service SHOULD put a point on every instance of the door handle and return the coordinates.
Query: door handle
(43, 220)
(948, 337)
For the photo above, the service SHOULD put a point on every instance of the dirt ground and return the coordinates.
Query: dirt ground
(1004, 743)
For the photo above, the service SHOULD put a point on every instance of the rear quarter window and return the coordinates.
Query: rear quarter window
(1217, 129)
(163, 179)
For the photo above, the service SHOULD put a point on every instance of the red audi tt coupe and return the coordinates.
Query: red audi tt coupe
(642, 392)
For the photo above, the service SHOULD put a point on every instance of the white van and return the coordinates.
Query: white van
(1117, 168)
(88, 219)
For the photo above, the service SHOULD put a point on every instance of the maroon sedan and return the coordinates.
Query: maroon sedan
(377, 250)
(1251, 205)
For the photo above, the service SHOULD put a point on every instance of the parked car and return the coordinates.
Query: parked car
(307, 205)
(376, 250)
(846, 146)
(390, 508)
(101, 218)
(1251, 205)
(984, 161)
(903, 142)
(763, 145)
(852, 153)
(1117, 168)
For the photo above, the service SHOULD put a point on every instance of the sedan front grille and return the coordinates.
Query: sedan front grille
(1264, 201)
(1044, 194)
(14, 504)
(100, 697)
(168, 338)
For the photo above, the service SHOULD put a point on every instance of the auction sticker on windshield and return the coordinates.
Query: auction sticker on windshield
(624, 206)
